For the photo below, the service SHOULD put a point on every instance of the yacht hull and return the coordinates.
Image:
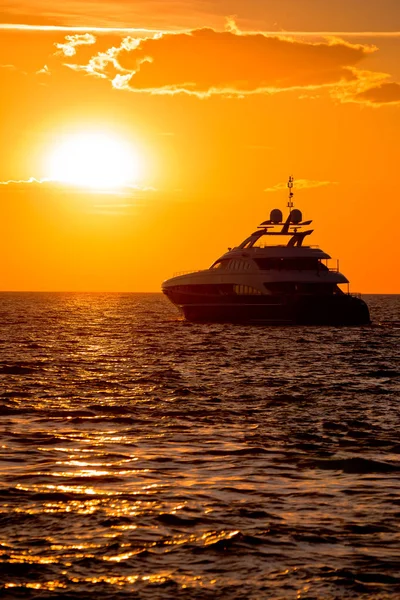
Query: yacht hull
(336, 310)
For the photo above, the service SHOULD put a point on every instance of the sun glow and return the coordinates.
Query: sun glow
(94, 160)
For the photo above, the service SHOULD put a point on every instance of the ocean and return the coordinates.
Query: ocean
(146, 457)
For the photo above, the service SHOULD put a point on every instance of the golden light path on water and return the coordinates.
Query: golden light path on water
(143, 455)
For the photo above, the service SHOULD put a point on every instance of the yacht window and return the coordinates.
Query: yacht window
(246, 290)
(290, 264)
(220, 264)
(239, 265)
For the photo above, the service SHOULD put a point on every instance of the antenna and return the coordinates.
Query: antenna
(291, 194)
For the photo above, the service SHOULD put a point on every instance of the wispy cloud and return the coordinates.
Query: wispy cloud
(370, 88)
(301, 184)
(380, 95)
(136, 191)
(231, 27)
(43, 71)
(81, 29)
(25, 181)
(68, 48)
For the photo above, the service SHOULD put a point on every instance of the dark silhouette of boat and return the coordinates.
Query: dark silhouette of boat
(285, 284)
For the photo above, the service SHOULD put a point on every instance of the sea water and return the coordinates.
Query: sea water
(146, 457)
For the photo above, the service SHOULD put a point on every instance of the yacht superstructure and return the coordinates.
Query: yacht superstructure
(285, 284)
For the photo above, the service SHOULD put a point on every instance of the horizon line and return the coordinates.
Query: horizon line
(146, 292)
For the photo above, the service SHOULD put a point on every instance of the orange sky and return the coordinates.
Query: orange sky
(220, 110)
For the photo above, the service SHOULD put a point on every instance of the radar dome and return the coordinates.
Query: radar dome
(296, 216)
(276, 216)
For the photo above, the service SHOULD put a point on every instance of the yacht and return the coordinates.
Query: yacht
(272, 278)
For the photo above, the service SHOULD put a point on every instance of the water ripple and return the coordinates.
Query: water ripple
(145, 457)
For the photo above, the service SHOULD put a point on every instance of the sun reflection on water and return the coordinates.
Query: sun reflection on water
(46, 585)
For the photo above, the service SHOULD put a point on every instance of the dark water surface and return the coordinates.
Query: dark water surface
(145, 457)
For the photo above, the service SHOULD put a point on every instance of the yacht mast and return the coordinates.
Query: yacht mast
(290, 185)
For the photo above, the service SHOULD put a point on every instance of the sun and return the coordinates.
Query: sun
(93, 160)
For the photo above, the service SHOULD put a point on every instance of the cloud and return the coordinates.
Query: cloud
(205, 62)
(109, 13)
(68, 48)
(231, 25)
(43, 71)
(46, 182)
(25, 181)
(382, 15)
(202, 63)
(370, 88)
(76, 29)
(386, 93)
(301, 184)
